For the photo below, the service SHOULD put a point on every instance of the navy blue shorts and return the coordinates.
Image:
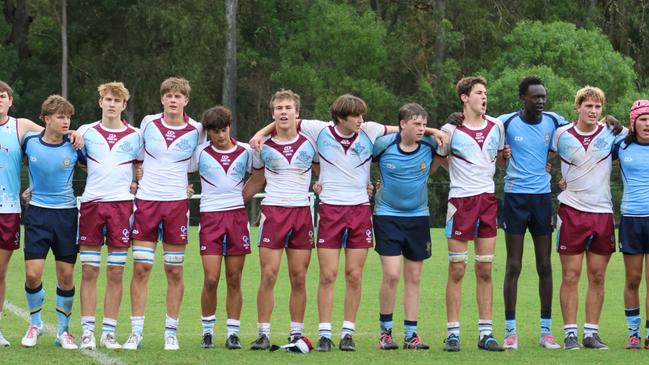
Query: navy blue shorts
(634, 235)
(407, 236)
(47, 228)
(522, 211)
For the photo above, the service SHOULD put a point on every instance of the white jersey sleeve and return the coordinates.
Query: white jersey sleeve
(312, 128)
(374, 130)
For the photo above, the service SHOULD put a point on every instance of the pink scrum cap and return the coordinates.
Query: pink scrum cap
(638, 108)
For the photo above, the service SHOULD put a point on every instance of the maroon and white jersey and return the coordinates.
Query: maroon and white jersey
(472, 154)
(222, 174)
(110, 154)
(344, 160)
(287, 169)
(167, 154)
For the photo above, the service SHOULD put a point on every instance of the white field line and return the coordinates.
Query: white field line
(96, 355)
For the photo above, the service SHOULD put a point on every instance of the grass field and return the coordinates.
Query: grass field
(432, 319)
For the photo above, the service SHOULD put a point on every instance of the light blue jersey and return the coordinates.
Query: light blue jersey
(634, 165)
(51, 167)
(10, 159)
(530, 142)
(403, 192)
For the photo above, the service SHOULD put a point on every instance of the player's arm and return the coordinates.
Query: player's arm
(258, 139)
(437, 162)
(503, 156)
(254, 184)
(440, 137)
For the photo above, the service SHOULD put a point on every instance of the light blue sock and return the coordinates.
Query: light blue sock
(510, 327)
(208, 324)
(35, 298)
(633, 321)
(64, 301)
(409, 329)
(385, 321)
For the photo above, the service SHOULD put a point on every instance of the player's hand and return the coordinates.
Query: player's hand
(370, 189)
(133, 188)
(26, 195)
(548, 167)
(455, 119)
(507, 152)
(256, 142)
(613, 124)
(440, 137)
(139, 171)
(190, 190)
(317, 188)
(76, 139)
(562, 184)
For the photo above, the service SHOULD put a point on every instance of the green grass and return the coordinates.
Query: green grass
(432, 317)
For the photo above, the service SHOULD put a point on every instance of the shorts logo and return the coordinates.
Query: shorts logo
(266, 240)
(563, 247)
(321, 240)
(83, 238)
(368, 235)
(125, 233)
(457, 233)
(135, 231)
(203, 248)
(17, 240)
(246, 241)
(183, 231)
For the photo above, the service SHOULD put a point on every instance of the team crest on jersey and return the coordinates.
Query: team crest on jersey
(359, 149)
(238, 169)
(601, 144)
(126, 147)
(67, 162)
(546, 139)
(422, 166)
(170, 135)
(287, 151)
(304, 158)
(184, 145)
(112, 138)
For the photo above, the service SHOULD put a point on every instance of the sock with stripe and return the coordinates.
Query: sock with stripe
(35, 298)
(324, 330)
(385, 321)
(485, 326)
(208, 324)
(137, 325)
(633, 321)
(233, 326)
(263, 328)
(347, 329)
(570, 329)
(108, 325)
(296, 329)
(171, 325)
(453, 328)
(64, 301)
(590, 329)
(409, 329)
(88, 323)
(546, 323)
(510, 323)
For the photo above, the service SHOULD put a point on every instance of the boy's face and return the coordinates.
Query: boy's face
(174, 102)
(284, 113)
(476, 101)
(589, 111)
(58, 123)
(534, 99)
(5, 103)
(413, 128)
(220, 137)
(351, 124)
(642, 128)
(112, 106)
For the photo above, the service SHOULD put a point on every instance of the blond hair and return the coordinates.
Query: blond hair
(175, 84)
(590, 92)
(285, 94)
(116, 88)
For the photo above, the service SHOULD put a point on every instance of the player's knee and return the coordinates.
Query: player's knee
(484, 259)
(413, 279)
(513, 269)
(89, 272)
(457, 258)
(571, 278)
(32, 280)
(233, 278)
(632, 282)
(354, 278)
(544, 269)
(66, 281)
(143, 256)
(483, 274)
(327, 278)
(298, 280)
(211, 282)
(390, 279)
(597, 278)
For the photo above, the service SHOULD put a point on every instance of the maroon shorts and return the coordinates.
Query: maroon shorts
(472, 217)
(9, 231)
(344, 226)
(582, 231)
(224, 233)
(114, 216)
(282, 227)
(168, 220)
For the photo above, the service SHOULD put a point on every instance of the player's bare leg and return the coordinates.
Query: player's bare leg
(391, 266)
(90, 263)
(113, 295)
(234, 299)
(457, 254)
(5, 256)
(269, 262)
(298, 264)
(211, 276)
(139, 291)
(328, 259)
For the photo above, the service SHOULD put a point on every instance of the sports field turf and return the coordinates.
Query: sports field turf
(432, 319)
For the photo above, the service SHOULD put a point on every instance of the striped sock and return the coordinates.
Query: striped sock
(510, 323)
(171, 325)
(208, 324)
(590, 329)
(633, 321)
(233, 326)
(385, 321)
(409, 329)
(570, 329)
(324, 329)
(137, 325)
(35, 298)
(453, 328)
(485, 326)
(88, 323)
(108, 325)
(546, 323)
(64, 301)
(263, 329)
(347, 329)
(296, 329)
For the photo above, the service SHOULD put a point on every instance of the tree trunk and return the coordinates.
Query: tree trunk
(64, 49)
(15, 14)
(229, 94)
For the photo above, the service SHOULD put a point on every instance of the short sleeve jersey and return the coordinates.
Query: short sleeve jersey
(167, 153)
(472, 156)
(634, 165)
(110, 155)
(404, 176)
(345, 161)
(51, 168)
(287, 166)
(530, 142)
(222, 174)
(10, 161)
(586, 167)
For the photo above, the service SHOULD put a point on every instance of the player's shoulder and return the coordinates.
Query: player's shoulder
(448, 128)
(506, 118)
(197, 125)
(149, 118)
(429, 141)
(244, 145)
(201, 147)
(382, 143)
(493, 120)
(555, 118)
(31, 136)
(86, 127)
(564, 128)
